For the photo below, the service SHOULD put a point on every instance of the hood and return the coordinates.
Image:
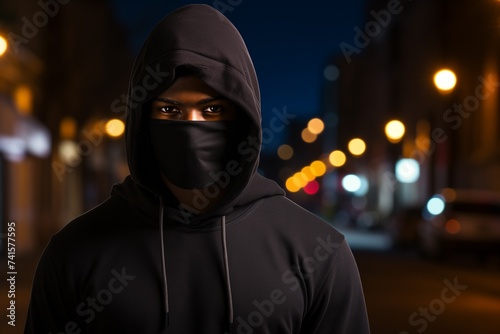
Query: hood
(199, 38)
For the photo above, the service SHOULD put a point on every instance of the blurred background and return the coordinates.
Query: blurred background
(379, 116)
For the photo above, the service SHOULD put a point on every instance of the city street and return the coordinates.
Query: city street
(405, 294)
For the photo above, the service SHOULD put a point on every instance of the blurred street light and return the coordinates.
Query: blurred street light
(394, 130)
(12, 147)
(407, 170)
(453, 226)
(445, 80)
(3, 45)
(311, 187)
(318, 168)
(308, 136)
(307, 172)
(449, 194)
(115, 127)
(38, 141)
(23, 98)
(68, 152)
(351, 183)
(315, 126)
(67, 128)
(21, 135)
(358, 185)
(337, 158)
(435, 205)
(291, 186)
(285, 152)
(357, 146)
(331, 72)
(300, 179)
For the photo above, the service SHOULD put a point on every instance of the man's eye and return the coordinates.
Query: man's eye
(169, 110)
(213, 109)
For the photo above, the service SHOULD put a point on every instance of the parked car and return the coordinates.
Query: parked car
(460, 221)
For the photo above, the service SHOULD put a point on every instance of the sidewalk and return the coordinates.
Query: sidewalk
(366, 240)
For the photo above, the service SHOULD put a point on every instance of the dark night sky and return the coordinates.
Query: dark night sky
(290, 42)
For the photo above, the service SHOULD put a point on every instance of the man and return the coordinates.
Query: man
(195, 240)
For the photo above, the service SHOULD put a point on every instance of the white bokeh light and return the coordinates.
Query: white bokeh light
(407, 170)
(351, 183)
(435, 205)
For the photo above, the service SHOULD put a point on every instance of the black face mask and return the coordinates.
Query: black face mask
(193, 154)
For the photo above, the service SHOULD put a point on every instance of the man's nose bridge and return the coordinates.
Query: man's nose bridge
(193, 114)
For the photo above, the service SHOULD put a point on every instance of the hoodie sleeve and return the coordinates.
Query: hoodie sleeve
(49, 310)
(339, 305)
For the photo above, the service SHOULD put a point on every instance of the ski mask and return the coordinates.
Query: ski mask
(192, 154)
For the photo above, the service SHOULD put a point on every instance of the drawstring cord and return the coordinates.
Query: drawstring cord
(226, 272)
(164, 269)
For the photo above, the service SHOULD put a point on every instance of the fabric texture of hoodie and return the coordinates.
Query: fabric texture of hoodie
(141, 263)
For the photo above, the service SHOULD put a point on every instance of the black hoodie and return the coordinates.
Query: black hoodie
(141, 263)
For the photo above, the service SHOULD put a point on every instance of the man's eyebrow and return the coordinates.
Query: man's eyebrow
(201, 102)
(169, 101)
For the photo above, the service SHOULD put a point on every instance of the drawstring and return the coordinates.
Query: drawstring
(164, 269)
(226, 272)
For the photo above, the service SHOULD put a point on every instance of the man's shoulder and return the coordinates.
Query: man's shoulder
(285, 207)
(100, 218)
(109, 208)
(285, 214)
